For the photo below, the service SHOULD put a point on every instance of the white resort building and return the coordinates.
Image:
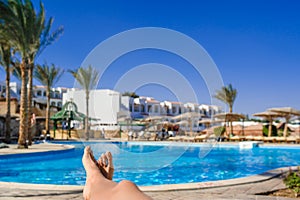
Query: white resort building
(15, 90)
(106, 107)
(39, 98)
(103, 106)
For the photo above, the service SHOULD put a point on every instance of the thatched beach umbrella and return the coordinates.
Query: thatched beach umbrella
(287, 113)
(152, 120)
(229, 117)
(268, 115)
(207, 122)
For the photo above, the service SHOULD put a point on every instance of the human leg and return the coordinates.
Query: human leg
(97, 186)
(100, 186)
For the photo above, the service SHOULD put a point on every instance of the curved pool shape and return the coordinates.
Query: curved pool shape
(222, 162)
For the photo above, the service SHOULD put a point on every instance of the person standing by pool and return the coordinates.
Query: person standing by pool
(99, 184)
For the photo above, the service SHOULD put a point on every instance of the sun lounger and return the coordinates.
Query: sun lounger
(280, 139)
(291, 139)
(249, 138)
(3, 145)
(182, 139)
(237, 138)
(270, 139)
(130, 135)
(148, 135)
(200, 138)
(176, 138)
(258, 138)
(187, 139)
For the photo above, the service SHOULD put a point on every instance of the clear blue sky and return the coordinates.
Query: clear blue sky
(255, 44)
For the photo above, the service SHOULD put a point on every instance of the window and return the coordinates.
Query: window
(174, 110)
(156, 109)
(142, 108)
(167, 111)
(136, 108)
(39, 93)
(57, 94)
(149, 108)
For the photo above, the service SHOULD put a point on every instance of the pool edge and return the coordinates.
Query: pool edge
(158, 188)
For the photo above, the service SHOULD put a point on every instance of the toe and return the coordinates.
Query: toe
(109, 159)
(87, 161)
(103, 160)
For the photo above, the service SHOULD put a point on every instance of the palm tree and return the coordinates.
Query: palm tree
(87, 78)
(43, 38)
(29, 34)
(48, 76)
(6, 62)
(227, 94)
(130, 94)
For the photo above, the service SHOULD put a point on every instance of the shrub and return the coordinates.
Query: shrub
(266, 130)
(220, 130)
(292, 181)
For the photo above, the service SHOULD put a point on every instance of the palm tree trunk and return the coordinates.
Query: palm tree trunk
(285, 131)
(231, 127)
(270, 127)
(48, 111)
(87, 115)
(29, 103)
(8, 117)
(23, 129)
(230, 122)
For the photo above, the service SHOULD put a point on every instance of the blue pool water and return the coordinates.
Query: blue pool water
(148, 164)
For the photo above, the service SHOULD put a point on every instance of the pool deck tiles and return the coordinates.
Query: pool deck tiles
(42, 147)
(242, 188)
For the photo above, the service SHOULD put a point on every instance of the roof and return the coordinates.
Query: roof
(69, 112)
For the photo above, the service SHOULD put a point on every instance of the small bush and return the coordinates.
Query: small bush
(266, 130)
(292, 181)
(219, 131)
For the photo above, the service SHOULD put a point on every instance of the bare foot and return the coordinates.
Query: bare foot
(96, 183)
(89, 162)
(106, 163)
(98, 186)
(92, 172)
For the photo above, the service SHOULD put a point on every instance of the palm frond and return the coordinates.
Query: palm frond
(86, 77)
(47, 75)
(227, 94)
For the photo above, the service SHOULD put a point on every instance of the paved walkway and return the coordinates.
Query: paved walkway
(42, 147)
(244, 188)
(238, 192)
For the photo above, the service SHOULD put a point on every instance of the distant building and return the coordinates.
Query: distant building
(39, 98)
(106, 106)
(103, 106)
(15, 91)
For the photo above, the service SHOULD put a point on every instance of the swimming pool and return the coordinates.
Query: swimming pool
(148, 164)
